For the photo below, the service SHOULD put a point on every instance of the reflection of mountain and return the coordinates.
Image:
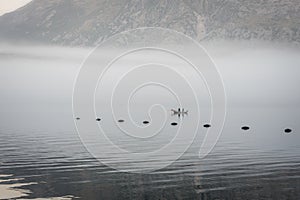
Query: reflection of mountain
(77, 22)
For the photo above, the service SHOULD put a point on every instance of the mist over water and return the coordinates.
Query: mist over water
(39, 141)
(41, 79)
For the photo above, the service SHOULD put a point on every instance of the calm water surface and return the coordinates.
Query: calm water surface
(39, 144)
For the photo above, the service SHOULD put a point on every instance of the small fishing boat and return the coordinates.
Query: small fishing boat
(179, 112)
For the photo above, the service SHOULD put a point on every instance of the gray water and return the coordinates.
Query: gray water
(39, 142)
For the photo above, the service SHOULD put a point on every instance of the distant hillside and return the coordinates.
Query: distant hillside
(87, 22)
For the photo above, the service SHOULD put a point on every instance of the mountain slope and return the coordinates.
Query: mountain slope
(87, 22)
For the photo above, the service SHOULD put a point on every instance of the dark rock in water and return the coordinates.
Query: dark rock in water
(245, 128)
(121, 120)
(287, 130)
(206, 125)
(77, 118)
(174, 123)
(146, 122)
(98, 119)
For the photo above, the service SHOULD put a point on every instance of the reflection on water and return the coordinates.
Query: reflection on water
(244, 165)
(9, 189)
(41, 150)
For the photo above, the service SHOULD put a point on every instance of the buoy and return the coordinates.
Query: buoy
(206, 125)
(121, 120)
(77, 118)
(146, 122)
(98, 119)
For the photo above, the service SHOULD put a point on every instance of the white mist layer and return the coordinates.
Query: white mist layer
(39, 79)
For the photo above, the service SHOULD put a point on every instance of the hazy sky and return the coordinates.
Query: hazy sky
(11, 5)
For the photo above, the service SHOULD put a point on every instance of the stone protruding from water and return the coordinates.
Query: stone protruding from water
(206, 125)
(245, 128)
(288, 130)
(174, 123)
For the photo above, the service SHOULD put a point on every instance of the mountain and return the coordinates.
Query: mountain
(88, 22)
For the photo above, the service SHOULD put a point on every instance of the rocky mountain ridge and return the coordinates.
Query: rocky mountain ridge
(88, 22)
